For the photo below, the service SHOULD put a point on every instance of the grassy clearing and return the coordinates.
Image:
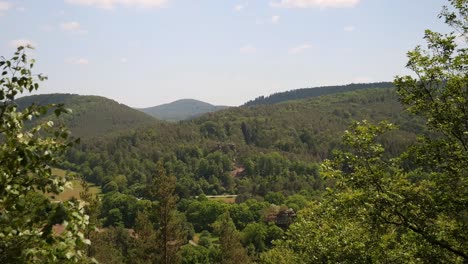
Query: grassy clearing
(223, 198)
(76, 187)
(74, 191)
(63, 173)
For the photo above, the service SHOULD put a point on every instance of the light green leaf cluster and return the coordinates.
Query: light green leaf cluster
(27, 218)
(408, 209)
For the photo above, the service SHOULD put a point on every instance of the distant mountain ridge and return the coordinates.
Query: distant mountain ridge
(98, 116)
(181, 109)
(91, 115)
(304, 93)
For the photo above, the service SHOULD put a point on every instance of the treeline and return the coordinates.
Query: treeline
(303, 93)
(339, 178)
(241, 151)
(158, 226)
(311, 127)
(268, 156)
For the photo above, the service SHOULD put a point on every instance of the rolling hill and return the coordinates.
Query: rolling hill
(311, 126)
(181, 109)
(91, 115)
(304, 93)
(241, 137)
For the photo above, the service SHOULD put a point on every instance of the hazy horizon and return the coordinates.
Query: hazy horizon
(144, 53)
(180, 99)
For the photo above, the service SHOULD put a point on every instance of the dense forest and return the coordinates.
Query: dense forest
(227, 151)
(313, 92)
(360, 173)
(92, 115)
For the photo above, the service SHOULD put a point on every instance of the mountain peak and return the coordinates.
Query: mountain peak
(181, 109)
(91, 115)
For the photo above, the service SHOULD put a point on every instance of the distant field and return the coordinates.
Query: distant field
(62, 173)
(224, 198)
(76, 188)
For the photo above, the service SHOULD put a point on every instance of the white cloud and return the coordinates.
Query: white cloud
(247, 49)
(239, 7)
(299, 49)
(275, 19)
(4, 6)
(109, 4)
(21, 8)
(315, 3)
(73, 27)
(349, 28)
(78, 61)
(21, 42)
(123, 60)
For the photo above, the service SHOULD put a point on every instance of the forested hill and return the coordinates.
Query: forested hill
(92, 115)
(267, 153)
(313, 92)
(181, 109)
(259, 139)
(313, 126)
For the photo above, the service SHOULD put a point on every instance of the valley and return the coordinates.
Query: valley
(361, 172)
(255, 162)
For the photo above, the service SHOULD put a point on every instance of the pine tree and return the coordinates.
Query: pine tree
(146, 248)
(232, 251)
(169, 233)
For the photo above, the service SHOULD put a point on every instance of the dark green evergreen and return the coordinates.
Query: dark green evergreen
(313, 92)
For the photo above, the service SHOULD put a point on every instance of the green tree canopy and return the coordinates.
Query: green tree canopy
(410, 208)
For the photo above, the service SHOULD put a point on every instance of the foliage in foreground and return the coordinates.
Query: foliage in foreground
(408, 209)
(27, 218)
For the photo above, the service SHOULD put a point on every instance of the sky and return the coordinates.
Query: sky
(148, 52)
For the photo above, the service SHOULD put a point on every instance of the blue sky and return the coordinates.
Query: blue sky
(148, 52)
